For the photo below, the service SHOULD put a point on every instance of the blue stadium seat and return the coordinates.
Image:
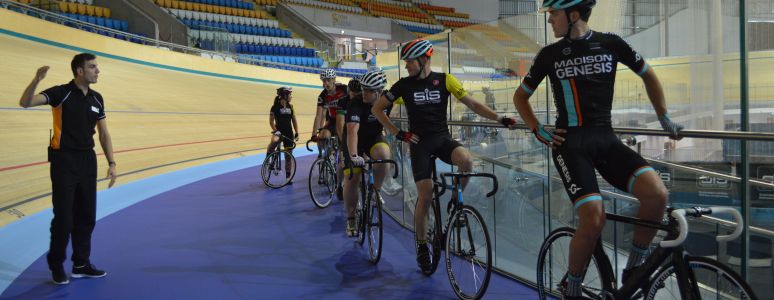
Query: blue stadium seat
(251, 49)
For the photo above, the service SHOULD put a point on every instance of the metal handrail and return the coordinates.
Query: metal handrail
(704, 134)
(628, 198)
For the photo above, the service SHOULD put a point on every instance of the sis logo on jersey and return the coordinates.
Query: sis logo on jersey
(286, 111)
(427, 97)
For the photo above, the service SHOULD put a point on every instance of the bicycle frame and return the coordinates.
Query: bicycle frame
(659, 256)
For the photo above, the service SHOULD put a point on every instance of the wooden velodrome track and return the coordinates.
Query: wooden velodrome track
(168, 111)
(160, 119)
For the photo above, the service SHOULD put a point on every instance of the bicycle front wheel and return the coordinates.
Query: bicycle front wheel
(434, 235)
(713, 281)
(361, 215)
(553, 263)
(322, 183)
(468, 253)
(277, 172)
(374, 226)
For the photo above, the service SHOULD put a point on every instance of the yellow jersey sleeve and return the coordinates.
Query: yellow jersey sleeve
(398, 101)
(455, 87)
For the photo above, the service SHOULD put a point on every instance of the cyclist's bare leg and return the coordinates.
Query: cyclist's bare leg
(424, 197)
(351, 193)
(380, 151)
(653, 195)
(288, 163)
(272, 144)
(323, 139)
(461, 158)
(591, 221)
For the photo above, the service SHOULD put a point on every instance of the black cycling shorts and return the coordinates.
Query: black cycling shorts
(289, 134)
(364, 147)
(441, 145)
(587, 149)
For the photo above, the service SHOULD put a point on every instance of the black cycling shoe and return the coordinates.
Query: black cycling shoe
(423, 259)
(58, 276)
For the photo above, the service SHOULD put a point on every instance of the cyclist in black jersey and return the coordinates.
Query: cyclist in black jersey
(282, 119)
(363, 138)
(582, 67)
(425, 94)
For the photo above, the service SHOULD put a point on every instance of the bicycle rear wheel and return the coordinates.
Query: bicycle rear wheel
(468, 253)
(322, 183)
(374, 226)
(277, 173)
(553, 263)
(713, 279)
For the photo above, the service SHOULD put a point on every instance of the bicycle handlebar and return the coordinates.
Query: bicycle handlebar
(468, 174)
(679, 216)
(371, 162)
(307, 145)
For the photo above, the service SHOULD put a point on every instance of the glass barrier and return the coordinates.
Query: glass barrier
(694, 48)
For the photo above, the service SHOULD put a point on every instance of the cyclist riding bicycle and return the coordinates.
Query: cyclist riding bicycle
(425, 94)
(363, 137)
(582, 69)
(325, 118)
(282, 120)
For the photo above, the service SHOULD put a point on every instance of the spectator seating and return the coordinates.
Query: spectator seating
(337, 5)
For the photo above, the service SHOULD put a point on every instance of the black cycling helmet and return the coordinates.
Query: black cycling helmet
(284, 91)
(354, 85)
(584, 7)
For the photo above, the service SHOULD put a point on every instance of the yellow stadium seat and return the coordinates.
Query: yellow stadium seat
(106, 12)
(63, 7)
(175, 4)
(189, 5)
(99, 11)
(196, 7)
(221, 10)
(167, 3)
(81, 8)
(72, 7)
(229, 11)
(90, 10)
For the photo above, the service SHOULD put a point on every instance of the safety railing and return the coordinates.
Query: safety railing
(532, 201)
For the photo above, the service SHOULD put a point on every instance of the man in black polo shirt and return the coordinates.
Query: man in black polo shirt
(76, 109)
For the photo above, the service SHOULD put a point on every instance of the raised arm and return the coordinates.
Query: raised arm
(28, 98)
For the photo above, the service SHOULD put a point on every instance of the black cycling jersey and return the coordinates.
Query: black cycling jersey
(360, 112)
(582, 74)
(283, 117)
(427, 101)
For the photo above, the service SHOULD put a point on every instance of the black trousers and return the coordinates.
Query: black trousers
(74, 197)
